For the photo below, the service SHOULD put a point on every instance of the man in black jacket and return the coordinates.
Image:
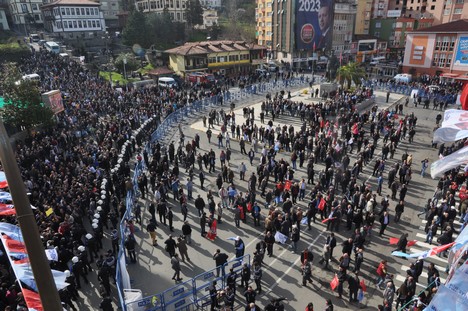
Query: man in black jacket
(220, 259)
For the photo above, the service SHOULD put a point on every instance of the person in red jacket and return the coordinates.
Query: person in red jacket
(310, 307)
(381, 272)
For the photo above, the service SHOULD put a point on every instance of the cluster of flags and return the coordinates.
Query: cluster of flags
(12, 240)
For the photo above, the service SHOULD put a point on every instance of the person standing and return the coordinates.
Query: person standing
(175, 264)
(270, 241)
(200, 205)
(183, 249)
(250, 295)
(170, 218)
(201, 176)
(331, 242)
(151, 228)
(203, 225)
(170, 246)
(130, 245)
(257, 275)
(220, 260)
(384, 221)
(306, 273)
(245, 275)
(152, 211)
(239, 246)
(187, 232)
(162, 211)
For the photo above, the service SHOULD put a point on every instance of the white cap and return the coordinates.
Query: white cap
(104, 180)
(75, 259)
(89, 236)
(103, 197)
(81, 248)
(94, 225)
(103, 191)
(97, 216)
(95, 220)
(99, 208)
(237, 238)
(100, 202)
(67, 273)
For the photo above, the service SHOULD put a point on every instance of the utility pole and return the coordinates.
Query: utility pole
(40, 265)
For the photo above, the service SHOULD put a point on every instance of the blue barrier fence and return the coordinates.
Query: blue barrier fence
(407, 90)
(191, 294)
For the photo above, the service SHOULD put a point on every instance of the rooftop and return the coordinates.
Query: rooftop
(206, 47)
(460, 25)
(72, 2)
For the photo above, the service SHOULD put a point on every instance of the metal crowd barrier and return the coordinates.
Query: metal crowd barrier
(192, 293)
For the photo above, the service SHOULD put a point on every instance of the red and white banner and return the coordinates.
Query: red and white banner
(454, 126)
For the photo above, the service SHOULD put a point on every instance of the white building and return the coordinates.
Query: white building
(214, 4)
(25, 13)
(176, 8)
(74, 18)
(210, 18)
(3, 20)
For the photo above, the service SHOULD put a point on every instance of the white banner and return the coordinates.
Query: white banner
(438, 168)
(454, 126)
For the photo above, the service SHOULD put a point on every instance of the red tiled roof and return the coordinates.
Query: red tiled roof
(460, 25)
(160, 71)
(206, 47)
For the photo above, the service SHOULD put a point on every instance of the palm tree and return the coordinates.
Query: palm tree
(349, 73)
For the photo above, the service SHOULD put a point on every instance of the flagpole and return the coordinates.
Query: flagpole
(40, 265)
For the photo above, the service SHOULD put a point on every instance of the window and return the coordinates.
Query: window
(87, 11)
(178, 16)
(94, 24)
(447, 12)
(378, 24)
(460, 1)
(68, 11)
(70, 24)
(82, 11)
(432, 7)
(435, 59)
(24, 8)
(452, 43)
(449, 60)
(80, 25)
(37, 17)
(98, 24)
(63, 11)
(445, 43)
(34, 6)
(377, 34)
(442, 60)
(72, 11)
(75, 25)
(59, 24)
(65, 25)
(438, 44)
(458, 11)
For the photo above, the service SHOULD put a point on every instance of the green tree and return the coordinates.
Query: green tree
(215, 32)
(23, 107)
(131, 65)
(194, 13)
(349, 73)
(136, 30)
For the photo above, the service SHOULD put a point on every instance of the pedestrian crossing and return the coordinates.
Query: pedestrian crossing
(421, 246)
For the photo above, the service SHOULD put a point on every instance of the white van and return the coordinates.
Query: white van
(30, 77)
(167, 82)
(403, 77)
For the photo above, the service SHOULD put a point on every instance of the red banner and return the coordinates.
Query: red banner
(213, 231)
(327, 220)
(464, 97)
(287, 185)
(394, 241)
(32, 299)
(14, 246)
(334, 283)
(363, 286)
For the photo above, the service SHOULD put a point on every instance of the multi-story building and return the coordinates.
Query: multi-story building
(343, 26)
(176, 8)
(110, 9)
(26, 14)
(225, 57)
(438, 50)
(363, 17)
(3, 20)
(214, 4)
(264, 25)
(74, 19)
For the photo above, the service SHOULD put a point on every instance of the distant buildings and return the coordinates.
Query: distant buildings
(25, 14)
(3, 20)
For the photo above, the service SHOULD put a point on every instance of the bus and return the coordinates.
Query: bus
(52, 47)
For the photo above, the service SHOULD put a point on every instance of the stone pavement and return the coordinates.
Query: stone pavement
(152, 273)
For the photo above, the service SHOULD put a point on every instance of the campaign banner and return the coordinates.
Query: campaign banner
(314, 24)
(439, 167)
(461, 57)
(444, 294)
(281, 238)
(454, 126)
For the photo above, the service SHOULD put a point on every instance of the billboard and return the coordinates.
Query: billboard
(314, 24)
(461, 57)
(367, 46)
(53, 99)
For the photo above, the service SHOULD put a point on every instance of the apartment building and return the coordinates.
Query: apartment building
(25, 14)
(264, 24)
(176, 8)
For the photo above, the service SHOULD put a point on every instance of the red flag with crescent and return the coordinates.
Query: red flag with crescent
(213, 231)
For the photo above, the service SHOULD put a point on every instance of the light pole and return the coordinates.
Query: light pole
(125, 72)
(40, 266)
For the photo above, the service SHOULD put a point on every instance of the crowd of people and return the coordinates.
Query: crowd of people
(70, 170)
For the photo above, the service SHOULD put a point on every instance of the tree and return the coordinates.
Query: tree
(136, 30)
(352, 72)
(194, 13)
(131, 65)
(23, 107)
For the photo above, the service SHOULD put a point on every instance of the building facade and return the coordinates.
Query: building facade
(224, 57)
(438, 50)
(264, 24)
(363, 17)
(3, 20)
(176, 8)
(73, 19)
(110, 9)
(343, 27)
(26, 14)
(214, 4)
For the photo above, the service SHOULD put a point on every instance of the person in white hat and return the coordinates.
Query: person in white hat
(78, 272)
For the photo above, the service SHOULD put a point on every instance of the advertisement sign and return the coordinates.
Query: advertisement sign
(314, 24)
(367, 46)
(393, 13)
(53, 99)
(461, 57)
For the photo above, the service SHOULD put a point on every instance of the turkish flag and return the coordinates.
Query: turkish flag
(363, 286)
(13, 245)
(213, 231)
(7, 210)
(464, 97)
(287, 185)
(321, 205)
(334, 283)
(327, 220)
(32, 299)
